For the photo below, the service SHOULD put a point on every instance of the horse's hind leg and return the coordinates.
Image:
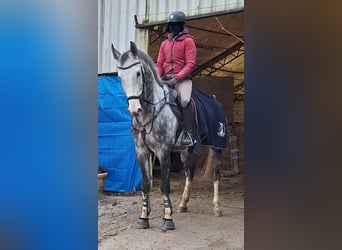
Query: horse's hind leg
(189, 175)
(145, 187)
(216, 180)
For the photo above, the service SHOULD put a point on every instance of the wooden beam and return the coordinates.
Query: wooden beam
(217, 58)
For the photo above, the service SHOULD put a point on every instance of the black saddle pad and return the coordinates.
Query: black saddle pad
(210, 121)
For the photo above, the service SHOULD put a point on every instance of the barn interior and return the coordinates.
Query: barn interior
(219, 39)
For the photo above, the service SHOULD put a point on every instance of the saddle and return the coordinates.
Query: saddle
(177, 110)
(174, 104)
(210, 121)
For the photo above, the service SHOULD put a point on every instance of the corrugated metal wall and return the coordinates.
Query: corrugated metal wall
(158, 10)
(116, 22)
(116, 25)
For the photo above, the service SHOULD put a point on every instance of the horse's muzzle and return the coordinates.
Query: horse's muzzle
(137, 112)
(134, 107)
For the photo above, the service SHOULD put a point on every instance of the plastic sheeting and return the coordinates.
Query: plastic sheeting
(116, 151)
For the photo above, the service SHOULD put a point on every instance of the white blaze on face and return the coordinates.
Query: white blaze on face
(133, 86)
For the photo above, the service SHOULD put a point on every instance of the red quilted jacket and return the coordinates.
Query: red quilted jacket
(177, 57)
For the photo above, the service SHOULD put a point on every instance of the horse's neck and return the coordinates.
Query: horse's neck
(158, 92)
(154, 92)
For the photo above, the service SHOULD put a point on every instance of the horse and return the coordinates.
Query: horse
(154, 129)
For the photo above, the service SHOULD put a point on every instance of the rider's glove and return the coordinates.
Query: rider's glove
(172, 82)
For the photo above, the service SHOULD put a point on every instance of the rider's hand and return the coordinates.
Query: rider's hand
(172, 82)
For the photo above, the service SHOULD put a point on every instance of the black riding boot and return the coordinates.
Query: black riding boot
(188, 138)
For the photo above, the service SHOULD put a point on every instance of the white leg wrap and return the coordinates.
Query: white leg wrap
(144, 212)
(167, 213)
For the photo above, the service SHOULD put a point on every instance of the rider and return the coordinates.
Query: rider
(175, 63)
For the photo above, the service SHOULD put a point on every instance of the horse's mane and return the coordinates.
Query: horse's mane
(150, 62)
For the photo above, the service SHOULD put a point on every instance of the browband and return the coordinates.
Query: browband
(130, 66)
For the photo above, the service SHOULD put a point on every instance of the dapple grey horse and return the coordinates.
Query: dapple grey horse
(154, 129)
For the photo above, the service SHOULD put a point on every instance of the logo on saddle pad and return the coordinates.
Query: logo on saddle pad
(222, 130)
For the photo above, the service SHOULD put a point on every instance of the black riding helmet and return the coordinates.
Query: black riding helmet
(176, 22)
(177, 17)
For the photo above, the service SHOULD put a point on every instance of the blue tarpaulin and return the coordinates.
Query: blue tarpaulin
(116, 150)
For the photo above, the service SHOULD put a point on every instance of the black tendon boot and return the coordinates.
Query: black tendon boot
(188, 138)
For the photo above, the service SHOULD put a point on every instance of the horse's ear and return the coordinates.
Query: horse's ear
(134, 49)
(116, 53)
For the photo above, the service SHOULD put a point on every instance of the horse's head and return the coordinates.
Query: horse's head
(130, 71)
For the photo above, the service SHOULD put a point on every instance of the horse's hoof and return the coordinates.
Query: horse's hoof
(182, 209)
(217, 213)
(167, 224)
(143, 223)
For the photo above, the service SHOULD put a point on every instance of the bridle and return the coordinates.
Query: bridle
(141, 98)
(143, 78)
(142, 127)
(143, 90)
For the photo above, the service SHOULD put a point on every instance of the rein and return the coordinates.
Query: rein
(154, 116)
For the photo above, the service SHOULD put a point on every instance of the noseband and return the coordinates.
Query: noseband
(143, 79)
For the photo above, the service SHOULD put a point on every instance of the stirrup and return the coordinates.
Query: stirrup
(187, 139)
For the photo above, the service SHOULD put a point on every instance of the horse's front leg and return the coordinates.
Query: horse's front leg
(189, 175)
(143, 159)
(164, 160)
(216, 180)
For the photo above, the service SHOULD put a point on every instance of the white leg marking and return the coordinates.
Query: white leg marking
(186, 193)
(216, 200)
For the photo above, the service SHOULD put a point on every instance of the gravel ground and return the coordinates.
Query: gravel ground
(196, 229)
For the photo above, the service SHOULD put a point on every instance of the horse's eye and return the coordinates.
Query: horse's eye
(138, 74)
